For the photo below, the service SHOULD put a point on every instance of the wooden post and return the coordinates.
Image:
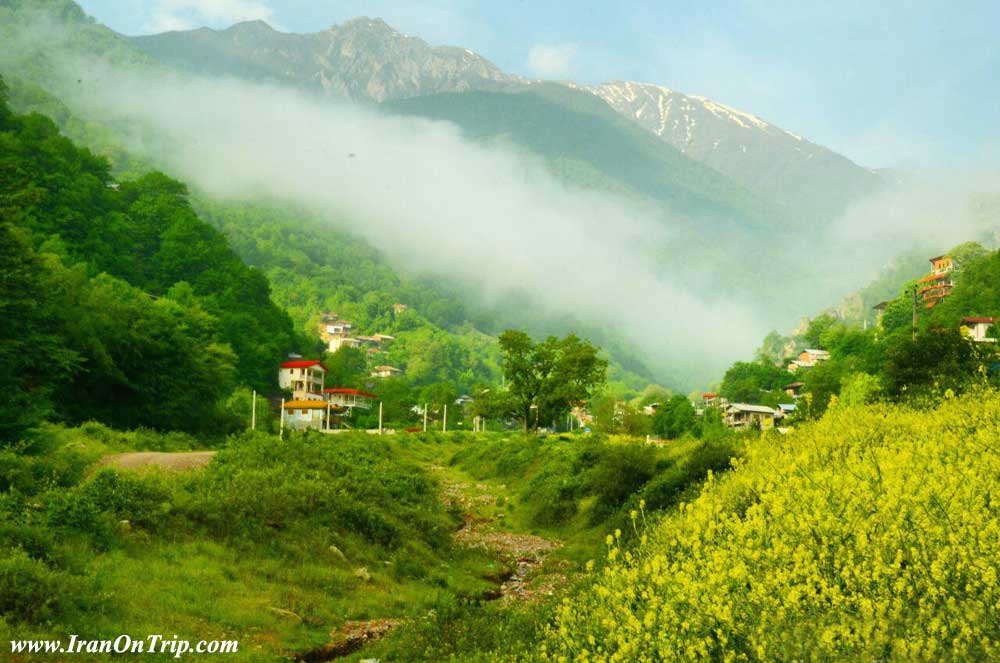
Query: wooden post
(281, 428)
(328, 408)
(444, 420)
(253, 414)
(380, 417)
(425, 417)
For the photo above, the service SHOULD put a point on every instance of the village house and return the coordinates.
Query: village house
(784, 410)
(977, 329)
(303, 377)
(399, 308)
(581, 415)
(807, 359)
(344, 397)
(939, 283)
(745, 416)
(309, 415)
(341, 341)
(880, 312)
(794, 389)
(385, 372)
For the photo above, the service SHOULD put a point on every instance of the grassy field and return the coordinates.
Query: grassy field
(284, 544)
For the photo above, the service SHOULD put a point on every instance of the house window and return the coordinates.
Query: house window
(303, 411)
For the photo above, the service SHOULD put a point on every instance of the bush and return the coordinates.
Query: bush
(623, 469)
(140, 499)
(32, 592)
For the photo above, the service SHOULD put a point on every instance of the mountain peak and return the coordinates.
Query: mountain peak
(363, 58)
(256, 26)
(737, 143)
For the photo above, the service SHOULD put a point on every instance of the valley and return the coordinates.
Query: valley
(331, 343)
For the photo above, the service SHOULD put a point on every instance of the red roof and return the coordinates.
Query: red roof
(708, 394)
(974, 321)
(303, 363)
(345, 390)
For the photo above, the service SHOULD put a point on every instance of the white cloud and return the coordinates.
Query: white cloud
(186, 14)
(552, 60)
(435, 202)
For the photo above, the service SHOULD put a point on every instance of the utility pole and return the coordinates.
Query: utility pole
(253, 414)
(425, 417)
(281, 428)
(328, 415)
(444, 420)
(380, 417)
(914, 312)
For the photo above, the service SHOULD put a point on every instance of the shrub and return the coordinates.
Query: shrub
(623, 469)
(32, 592)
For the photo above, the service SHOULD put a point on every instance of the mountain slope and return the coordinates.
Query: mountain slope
(765, 158)
(557, 123)
(362, 59)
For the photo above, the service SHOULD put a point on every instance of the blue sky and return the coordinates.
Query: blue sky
(890, 83)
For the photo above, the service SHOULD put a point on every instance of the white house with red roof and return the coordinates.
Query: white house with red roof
(304, 378)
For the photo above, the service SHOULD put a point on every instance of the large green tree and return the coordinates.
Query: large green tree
(546, 379)
(33, 357)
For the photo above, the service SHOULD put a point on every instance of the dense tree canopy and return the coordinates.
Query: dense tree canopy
(143, 232)
(118, 302)
(546, 379)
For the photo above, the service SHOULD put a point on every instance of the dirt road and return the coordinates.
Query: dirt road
(175, 462)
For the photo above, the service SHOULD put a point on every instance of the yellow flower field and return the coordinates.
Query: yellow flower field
(872, 535)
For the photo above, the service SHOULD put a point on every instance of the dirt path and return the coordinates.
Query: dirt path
(523, 553)
(174, 462)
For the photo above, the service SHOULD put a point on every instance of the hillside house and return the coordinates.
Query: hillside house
(344, 397)
(807, 359)
(977, 329)
(385, 372)
(338, 341)
(794, 389)
(399, 308)
(303, 377)
(745, 416)
(341, 327)
(880, 312)
(784, 410)
(939, 283)
(710, 399)
(813, 356)
(311, 415)
(464, 400)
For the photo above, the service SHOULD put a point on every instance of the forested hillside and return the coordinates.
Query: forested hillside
(143, 314)
(908, 351)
